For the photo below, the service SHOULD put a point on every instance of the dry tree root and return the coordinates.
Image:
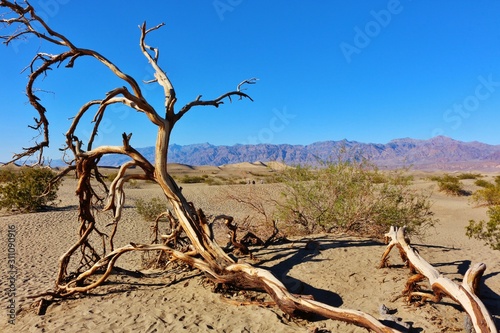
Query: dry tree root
(240, 247)
(240, 275)
(465, 294)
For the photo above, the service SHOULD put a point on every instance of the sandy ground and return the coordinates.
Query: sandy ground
(342, 273)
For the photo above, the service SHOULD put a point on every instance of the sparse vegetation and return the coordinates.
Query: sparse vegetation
(134, 183)
(27, 190)
(111, 176)
(469, 175)
(378, 178)
(214, 181)
(351, 196)
(187, 179)
(151, 209)
(488, 231)
(209, 180)
(450, 185)
(483, 183)
(488, 194)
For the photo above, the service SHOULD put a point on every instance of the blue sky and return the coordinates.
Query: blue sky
(368, 71)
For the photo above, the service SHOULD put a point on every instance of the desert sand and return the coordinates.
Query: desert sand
(341, 272)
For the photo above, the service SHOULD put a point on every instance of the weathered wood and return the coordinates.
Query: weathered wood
(465, 293)
(210, 257)
(247, 277)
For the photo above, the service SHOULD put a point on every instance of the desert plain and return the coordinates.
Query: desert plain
(342, 270)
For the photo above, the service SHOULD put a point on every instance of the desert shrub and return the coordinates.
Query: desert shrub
(398, 177)
(186, 179)
(379, 178)
(134, 183)
(489, 194)
(214, 181)
(488, 231)
(24, 190)
(450, 185)
(348, 196)
(6, 176)
(149, 210)
(300, 173)
(111, 176)
(469, 175)
(483, 183)
(434, 178)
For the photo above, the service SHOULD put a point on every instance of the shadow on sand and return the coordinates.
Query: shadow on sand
(302, 251)
(306, 251)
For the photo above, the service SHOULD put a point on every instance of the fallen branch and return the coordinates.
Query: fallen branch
(240, 275)
(464, 294)
(247, 276)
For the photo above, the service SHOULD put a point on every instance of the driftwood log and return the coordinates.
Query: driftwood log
(466, 293)
(203, 253)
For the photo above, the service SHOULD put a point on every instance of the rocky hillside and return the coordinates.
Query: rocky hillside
(437, 153)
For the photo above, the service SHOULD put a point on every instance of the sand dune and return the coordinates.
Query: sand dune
(342, 273)
(244, 165)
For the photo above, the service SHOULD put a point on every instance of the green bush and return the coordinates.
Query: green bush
(469, 175)
(150, 210)
(489, 194)
(6, 176)
(24, 190)
(349, 196)
(483, 183)
(450, 185)
(488, 231)
(214, 181)
(378, 178)
(192, 179)
(434, 178)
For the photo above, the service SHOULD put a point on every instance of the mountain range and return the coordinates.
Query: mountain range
(438, 153)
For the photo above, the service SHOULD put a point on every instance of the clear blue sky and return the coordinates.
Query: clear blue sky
(368, 71)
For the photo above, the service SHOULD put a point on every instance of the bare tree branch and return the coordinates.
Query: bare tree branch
(215, 102)
(252, 80)
(160, 75)
(25, 16)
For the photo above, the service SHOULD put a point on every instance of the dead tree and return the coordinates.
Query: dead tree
(204, 253)
(466, 294)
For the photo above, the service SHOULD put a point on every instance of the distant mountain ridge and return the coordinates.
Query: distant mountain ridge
(438, 153)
